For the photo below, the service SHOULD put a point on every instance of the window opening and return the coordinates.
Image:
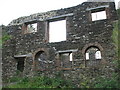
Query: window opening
(29, 27)
(66, 59)
(57, 31)
(20, 64)
(32, 28)
(98, 55)
(99, 15)
(93, 56)
(87, 56)
(41, 60)
(93, 53)
(71, 57)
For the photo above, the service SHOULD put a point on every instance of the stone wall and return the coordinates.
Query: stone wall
(82, 34)
(0, 57)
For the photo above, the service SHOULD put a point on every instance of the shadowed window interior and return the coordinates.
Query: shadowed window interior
(20, 64)
(41, 60)
(66, 59)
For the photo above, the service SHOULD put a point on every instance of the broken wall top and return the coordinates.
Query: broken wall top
(84, 7)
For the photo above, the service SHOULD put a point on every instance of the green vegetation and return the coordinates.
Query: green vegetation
(115, 35)
(108, 82)
(118, 11)
(0, 42)
(40, 82)
(4, 38)
(46, 82)
(100, 82)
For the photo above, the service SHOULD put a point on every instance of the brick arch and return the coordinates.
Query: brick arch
(86, 47)
(38, 50)
(91, 45)
(35, 53)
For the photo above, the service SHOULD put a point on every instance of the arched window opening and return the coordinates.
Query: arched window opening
(92, 56)
(93, 53)
(41, 60)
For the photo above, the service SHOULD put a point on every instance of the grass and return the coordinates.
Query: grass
(115, 35)
(111, 82)
(0, 42)
(41, 82)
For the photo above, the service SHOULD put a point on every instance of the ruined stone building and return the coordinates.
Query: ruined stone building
(81, 40)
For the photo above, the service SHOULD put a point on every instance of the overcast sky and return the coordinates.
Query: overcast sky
(13, 9)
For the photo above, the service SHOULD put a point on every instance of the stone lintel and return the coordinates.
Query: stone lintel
(60, 16)
(67, 51)
(104, 6)
(23, 56)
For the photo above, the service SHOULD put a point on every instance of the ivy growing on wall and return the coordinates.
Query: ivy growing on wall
(3, 38)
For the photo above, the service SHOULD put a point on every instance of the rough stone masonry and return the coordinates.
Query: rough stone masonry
(87, 49)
